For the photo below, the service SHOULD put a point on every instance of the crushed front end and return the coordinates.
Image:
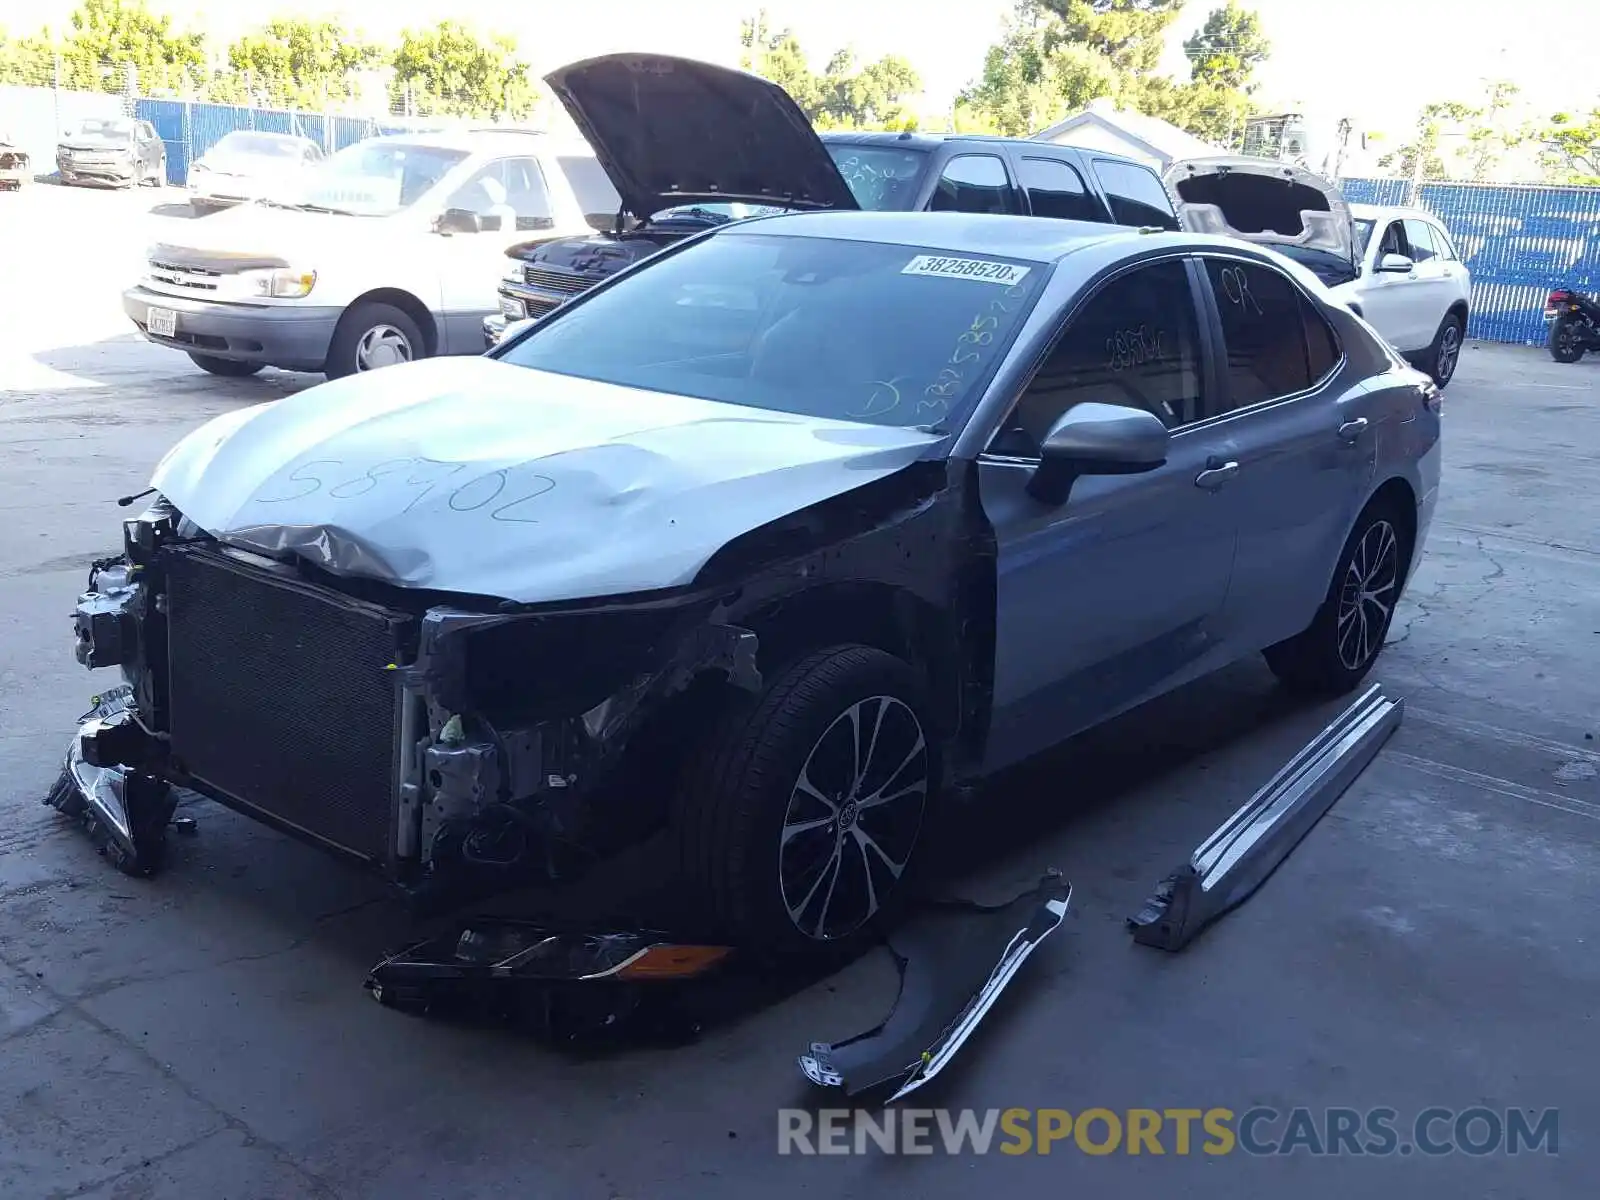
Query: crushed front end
(460, 751)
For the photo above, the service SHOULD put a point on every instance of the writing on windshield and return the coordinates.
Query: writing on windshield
(852, 331)
(881, 178)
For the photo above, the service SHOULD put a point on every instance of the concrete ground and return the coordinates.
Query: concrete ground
(1428, 945)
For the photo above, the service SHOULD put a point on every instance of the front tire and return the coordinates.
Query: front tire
(1565, 340)
(372, 335)
(1333, 654)
(229, 367)
(799, 815)
(1445, 353)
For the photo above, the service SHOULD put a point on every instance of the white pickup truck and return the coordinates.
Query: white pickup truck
(390, 252)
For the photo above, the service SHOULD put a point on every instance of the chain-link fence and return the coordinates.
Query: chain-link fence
(1519, 240)
(43, 100)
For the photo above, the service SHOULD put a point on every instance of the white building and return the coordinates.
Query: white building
(1103, 126)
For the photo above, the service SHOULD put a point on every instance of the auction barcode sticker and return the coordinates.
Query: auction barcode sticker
(983, 269)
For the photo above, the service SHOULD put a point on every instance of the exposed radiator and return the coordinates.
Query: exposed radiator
(279, 700)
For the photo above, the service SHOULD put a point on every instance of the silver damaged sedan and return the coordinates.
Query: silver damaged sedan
(769, 544)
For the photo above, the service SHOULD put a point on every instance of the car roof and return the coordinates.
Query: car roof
(1038, 239)
(485, 141)
(930, 141)
(1393, 212)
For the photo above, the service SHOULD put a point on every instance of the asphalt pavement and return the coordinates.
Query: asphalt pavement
(1427, 947)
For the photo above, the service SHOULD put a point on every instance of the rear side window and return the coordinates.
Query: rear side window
(1322, 344)
(1420, 235)
(1136, 195)
(974, 183)
(1264, 333)
(1055, 189)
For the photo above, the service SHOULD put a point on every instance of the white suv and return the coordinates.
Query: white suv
(1395, 267)
(389, 252)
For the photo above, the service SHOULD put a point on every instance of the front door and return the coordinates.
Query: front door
(1114, 596)
(1305, 450)
(512, 202)
(1388, 301)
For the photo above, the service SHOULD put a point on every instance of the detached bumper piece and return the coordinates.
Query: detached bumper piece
(572, 985)
(1227, 868)
(955, 959)
(125, 812)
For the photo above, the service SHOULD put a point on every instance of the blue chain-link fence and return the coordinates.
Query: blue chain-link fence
(1519, 241)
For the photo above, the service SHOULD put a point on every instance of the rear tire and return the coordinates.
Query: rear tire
(229, 367)
(371, 335)
(1333, 654)
(1445, 352)
(798, 816)
(1566, 339)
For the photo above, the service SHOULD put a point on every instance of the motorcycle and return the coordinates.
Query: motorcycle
(1574, 321)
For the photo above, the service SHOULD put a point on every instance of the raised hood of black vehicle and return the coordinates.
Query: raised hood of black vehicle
(672, 130)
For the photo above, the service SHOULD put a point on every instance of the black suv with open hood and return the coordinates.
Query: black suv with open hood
(689, 145)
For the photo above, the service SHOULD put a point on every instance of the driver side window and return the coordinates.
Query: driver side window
(509, 194)
(1135, 343)
(1393, 242)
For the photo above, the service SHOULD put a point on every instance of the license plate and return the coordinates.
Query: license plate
(162, 322)
(512, 309)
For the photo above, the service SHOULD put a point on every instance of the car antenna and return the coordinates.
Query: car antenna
(127, 500)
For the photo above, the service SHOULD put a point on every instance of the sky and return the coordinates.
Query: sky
(1376, 61)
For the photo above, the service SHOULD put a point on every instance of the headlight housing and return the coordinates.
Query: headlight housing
(286, 283)
(513, 271)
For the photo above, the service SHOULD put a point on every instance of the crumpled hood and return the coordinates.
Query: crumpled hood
(90, 142)
(1263, 201)
(470, 475)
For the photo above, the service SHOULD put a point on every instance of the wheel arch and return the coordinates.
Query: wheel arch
(407, 303)
(1463, 310)
(1399, 496)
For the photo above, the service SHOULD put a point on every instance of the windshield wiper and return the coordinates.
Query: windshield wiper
(306, 206)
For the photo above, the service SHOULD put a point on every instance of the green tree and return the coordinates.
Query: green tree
(108, 37)
(1424, 154)
(294, 62)
(1493, 130)
(27, 61)
(450, 70)
(1131, 33)
(1032, 77)
(1227, 49)
(847, 94)
(1572, 147)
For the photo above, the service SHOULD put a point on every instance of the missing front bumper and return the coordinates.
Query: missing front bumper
(1227, 868)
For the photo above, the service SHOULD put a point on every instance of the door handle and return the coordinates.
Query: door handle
(1351, 430)
(1213, 478)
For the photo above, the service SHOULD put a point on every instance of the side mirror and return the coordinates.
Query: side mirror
(1396, 264)
(458, 220)
(1097, 439)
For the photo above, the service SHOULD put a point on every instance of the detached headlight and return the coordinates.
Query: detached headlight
(513, 271)
(283, 282)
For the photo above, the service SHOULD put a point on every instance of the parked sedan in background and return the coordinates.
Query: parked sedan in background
(248, 165)
(771, 543)
(118, 151)
(1395, 267)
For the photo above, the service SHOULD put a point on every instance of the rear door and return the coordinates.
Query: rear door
(1135, 194)
(1114, 596)
(1435, 285)
(1055, 188)
(1301, 452)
